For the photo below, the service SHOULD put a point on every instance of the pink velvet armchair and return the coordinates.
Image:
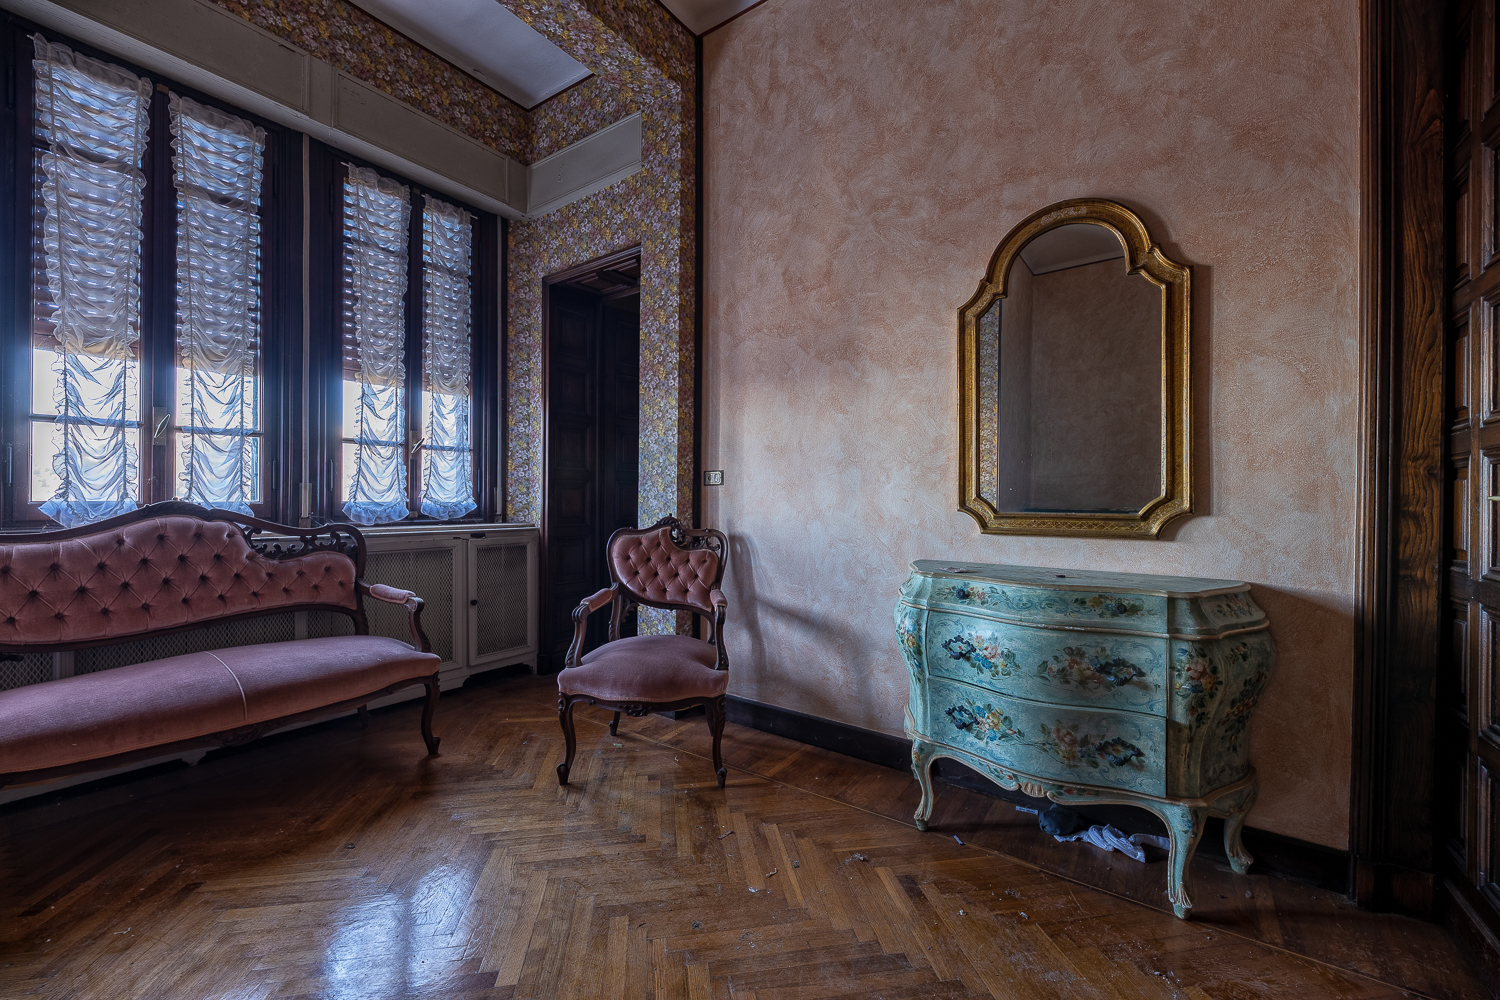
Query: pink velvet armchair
(671, 566)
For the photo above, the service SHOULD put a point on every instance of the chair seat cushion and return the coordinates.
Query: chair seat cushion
(183, 697)
(649, 668)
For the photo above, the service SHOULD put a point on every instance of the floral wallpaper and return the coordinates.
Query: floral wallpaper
(644, 61)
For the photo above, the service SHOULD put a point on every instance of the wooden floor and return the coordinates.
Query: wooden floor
(339, 862)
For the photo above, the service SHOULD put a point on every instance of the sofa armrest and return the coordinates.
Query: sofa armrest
(581, 622)
(409, 600)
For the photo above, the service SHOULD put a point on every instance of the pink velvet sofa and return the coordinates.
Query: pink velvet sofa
(171, 567)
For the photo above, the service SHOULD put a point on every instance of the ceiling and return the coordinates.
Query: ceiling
(483, 38)
(703, 15)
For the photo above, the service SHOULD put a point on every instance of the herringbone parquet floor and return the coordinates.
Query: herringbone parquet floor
(341, 863)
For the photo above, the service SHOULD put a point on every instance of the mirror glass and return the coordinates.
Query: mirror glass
(1069, 380)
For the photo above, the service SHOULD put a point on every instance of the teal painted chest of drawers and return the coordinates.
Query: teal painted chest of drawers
(1090, 687)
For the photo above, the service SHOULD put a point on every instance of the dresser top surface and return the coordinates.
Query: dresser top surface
(1051, 578)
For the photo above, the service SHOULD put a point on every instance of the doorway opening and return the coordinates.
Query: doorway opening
(591, 478)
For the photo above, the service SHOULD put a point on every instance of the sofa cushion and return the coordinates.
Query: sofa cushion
(283, 678)
(183, 697)
(647, 668)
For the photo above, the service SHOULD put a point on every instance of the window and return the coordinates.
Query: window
(101, 136)
(395, 461)
(217, 175)
(214, 308)
(90, 134)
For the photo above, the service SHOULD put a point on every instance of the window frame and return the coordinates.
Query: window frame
(486, 261)
(280, 308)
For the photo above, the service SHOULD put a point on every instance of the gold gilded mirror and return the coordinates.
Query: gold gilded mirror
(1073, 381)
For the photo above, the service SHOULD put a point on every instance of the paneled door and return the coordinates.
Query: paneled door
(593, 435)
(571, 511)
(1468, 695)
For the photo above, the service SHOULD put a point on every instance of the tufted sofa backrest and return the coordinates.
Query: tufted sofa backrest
(652, 566)
(156, 573)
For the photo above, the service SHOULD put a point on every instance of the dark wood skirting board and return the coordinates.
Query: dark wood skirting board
(1275, 854)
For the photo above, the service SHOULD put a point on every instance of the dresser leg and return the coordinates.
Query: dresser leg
(1236, 807)
(1185, 826)
(921, 766)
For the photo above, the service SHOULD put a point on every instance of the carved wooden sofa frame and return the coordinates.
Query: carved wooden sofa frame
(339, 549)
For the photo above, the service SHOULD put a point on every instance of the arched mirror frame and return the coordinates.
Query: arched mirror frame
(1145, 258)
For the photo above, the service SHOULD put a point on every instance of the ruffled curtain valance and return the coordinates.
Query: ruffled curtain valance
(447, 456)
(218, 165)
(376, 215)
(93, 118)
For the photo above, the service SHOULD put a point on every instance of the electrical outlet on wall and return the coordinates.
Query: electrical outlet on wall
(713, 477)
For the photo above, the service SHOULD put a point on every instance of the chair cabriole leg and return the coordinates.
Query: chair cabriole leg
(614, 726)
(714, 709)
(565, 716)
(433, 690)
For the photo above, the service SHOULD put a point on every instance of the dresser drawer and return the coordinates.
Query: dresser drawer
(1093, 669)
(1031, 606)
(1113, 749)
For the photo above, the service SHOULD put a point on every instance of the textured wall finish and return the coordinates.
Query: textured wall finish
(653, 208)
(863, 161)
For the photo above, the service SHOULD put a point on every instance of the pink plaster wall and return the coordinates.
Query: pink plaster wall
(863, 160)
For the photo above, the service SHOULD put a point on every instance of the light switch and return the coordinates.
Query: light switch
(713, 477)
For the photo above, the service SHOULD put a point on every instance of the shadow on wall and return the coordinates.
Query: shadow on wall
(757, 616)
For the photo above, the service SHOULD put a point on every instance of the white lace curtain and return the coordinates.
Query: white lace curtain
(376, 215)
(447, 456)
(217, 172)
(93, 117)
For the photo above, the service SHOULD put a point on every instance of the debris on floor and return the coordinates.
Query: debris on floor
(1059, 821)
(1106, 836)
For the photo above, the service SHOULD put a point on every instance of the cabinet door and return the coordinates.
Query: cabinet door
(502, 575)
(431, 567)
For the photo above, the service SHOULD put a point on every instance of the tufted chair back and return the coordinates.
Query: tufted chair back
(140, 573)
(669, 564)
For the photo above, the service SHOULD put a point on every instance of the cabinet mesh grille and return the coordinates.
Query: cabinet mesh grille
(272, 628)
(426, 572)
(32, 669)
(500, 585)
(321, 624)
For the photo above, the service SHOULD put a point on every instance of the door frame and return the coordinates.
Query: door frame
(573, 272)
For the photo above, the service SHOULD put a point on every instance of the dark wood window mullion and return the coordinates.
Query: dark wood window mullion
(15, 260)
(415, 280)
(158, 472)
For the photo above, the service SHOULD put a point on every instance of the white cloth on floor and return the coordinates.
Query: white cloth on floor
(1110, 839)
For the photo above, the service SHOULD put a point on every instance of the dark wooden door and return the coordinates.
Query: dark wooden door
(593, 429)
(572, 508)
(1468, 695)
